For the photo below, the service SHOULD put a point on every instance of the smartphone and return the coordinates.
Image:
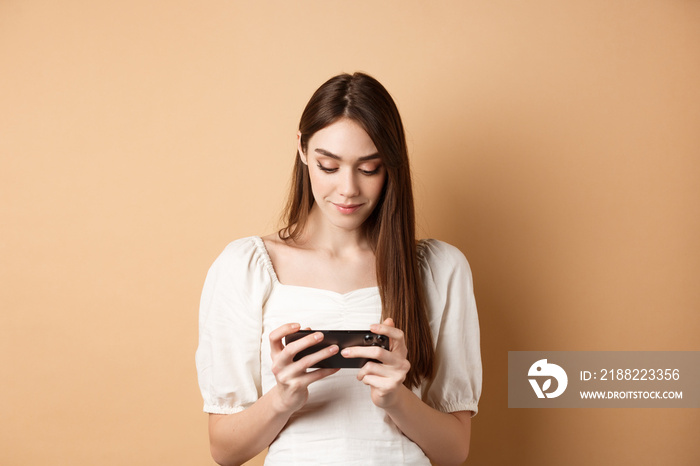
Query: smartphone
(344, 339)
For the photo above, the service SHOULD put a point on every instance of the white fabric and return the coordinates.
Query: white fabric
(243, 301)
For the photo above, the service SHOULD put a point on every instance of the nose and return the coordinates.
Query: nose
(349, 186)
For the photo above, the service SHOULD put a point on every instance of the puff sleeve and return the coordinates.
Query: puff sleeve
(230, 328)
(455, 328)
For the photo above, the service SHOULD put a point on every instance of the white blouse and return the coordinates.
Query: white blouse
(243, 301)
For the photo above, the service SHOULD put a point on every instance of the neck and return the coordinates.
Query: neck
(320, 234)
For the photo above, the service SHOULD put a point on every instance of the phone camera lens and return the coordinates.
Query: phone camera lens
(368, 338)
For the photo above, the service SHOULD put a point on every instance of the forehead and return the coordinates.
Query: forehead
(344, 138)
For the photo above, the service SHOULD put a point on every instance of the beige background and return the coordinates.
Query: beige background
(556, 143)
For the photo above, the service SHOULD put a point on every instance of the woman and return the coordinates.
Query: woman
(346, 259)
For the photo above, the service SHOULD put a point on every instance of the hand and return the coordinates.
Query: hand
(385, 379)
(293, 377)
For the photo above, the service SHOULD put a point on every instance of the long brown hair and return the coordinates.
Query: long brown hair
(390, 228)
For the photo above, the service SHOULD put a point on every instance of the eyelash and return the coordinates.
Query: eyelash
(327, 170)
(333, 170)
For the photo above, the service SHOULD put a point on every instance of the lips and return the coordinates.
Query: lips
(347, 208)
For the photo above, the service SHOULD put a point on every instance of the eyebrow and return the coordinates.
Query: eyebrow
(337, 157)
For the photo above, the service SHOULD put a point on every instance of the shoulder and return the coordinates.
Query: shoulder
(275, 246)
(242, 248)
(244, 255)
(443, 267)
(243, 245)
(433, 253)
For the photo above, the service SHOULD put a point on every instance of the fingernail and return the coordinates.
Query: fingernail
(333, 349)
(345, 352)
(318, 336)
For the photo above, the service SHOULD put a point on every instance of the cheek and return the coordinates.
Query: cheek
(375, 185)
(319, 183)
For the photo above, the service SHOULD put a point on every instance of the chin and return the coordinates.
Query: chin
(349, 223)
(348, 226)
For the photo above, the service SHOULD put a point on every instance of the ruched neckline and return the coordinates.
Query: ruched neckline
(265, 256)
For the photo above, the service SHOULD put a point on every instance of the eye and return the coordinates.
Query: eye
(326, 169)
(370, 172)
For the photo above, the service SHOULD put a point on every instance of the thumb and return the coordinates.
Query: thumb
(389, 321)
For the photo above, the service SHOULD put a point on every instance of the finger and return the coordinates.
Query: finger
(396, 335)
(375, 381)
(369, 352)
(293, 348)
(372, 368)
(318, 374)
(397, 369)
(310, 359)
(387, 328)
(278, 334)
(299, 369)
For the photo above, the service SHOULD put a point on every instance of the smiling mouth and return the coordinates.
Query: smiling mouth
(347, 209)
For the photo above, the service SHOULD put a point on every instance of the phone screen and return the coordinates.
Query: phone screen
(344, 339)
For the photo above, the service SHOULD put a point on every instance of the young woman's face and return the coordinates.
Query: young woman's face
(347, 175)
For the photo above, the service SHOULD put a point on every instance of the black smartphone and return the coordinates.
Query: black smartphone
(344, 339)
